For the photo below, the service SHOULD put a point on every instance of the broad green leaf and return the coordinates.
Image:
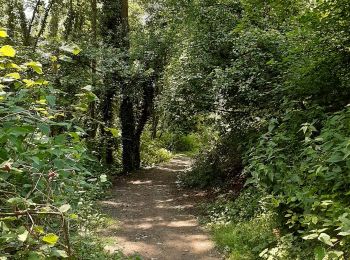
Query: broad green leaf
(23, 237)
(311, 236)
(64, 208)
(21, 130)
(29, 83)
(76, 50)
(36, 66)
(13, 75)
(50, 238)
(344, 233)
(14, 66)
(16, 201)
(320, 253)
(3, 34)
(7, 51)
(323, 237)
(51, 100)
(103, 178)
(44, 128)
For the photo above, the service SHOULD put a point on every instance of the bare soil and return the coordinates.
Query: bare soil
(155, 218)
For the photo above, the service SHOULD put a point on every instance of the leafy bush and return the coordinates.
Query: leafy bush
(152, 151)
(45, 187)
(219, 166)
(245, 240)
(225, 210)
(308, 179)
(187, 143)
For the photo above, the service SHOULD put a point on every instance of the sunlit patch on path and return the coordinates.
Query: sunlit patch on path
(155, 218)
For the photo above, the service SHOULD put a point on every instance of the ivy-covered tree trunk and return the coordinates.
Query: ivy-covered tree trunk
(114, 31)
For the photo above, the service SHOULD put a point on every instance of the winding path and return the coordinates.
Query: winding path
(155, 218)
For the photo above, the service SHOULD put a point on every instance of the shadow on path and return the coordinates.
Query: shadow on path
(156, 219)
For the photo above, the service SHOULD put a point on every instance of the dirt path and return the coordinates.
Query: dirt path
(156, 219)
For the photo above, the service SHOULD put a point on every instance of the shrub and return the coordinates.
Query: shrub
(219, 166)
(245, 240)
(152, 151)
(307, 177)
(45, 186)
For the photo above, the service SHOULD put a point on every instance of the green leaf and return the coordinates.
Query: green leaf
(23, 237)
(44, 128)
(64, 208)
(344, 233)
(36, 66)
(35, 256)
(310, 236)
(115, 132)
(323, 237)
(59, 253)
(335, 254)
(73, 216)
(7, 51)
(103, 178)
(87, 88)
(50, 238)
(14, 75)
(3, 34)
(336, 157)
(76, 50)
(21, 130)
(320, 253)
(39, 229)
(51, 100)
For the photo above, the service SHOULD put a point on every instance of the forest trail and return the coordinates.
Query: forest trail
(156, 218)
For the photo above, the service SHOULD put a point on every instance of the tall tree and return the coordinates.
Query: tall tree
(114, 31)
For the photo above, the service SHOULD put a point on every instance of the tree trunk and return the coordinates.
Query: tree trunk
(114, 30)
(108, 116)
(128, 133)
(137, 151)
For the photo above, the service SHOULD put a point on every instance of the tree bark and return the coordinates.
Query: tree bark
(128, 133)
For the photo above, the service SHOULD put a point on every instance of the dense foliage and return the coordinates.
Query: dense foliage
(274, 79)
(258, 90)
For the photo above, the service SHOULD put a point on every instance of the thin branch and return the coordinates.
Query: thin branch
(26, 212)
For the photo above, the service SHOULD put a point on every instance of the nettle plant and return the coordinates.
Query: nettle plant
(43, 180)
(309, 180)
